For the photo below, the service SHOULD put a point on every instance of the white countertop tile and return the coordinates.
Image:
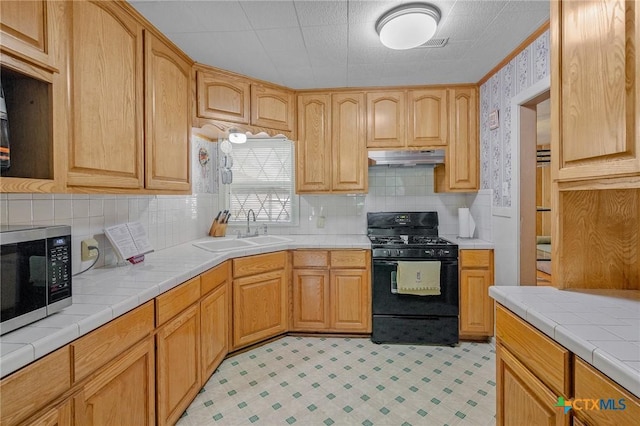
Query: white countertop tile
(103, 294)
(600, 326)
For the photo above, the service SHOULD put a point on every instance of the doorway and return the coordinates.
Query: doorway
(535, 190)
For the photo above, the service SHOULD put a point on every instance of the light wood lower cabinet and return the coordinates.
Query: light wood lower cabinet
(259, 307)
(522, 399)
(311, 300)
(123, 393)
(331, 291)
(178, 373)
(35, 386)
(476, 307)
(215, 321)
(61, 415)
(350, 300)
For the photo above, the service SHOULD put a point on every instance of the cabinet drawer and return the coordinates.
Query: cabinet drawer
(591, 384)
(349, 258)
(31, 388)
(310, 258)
(213, 278)
(545, 358)
(176, 300)
(475, 258)
(102, 345)
(252, 265)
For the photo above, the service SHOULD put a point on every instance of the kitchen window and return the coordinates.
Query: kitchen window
(262, 180)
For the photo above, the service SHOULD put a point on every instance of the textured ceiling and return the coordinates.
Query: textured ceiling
(318, 44)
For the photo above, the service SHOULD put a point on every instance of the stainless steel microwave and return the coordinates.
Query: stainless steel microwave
(35, 273)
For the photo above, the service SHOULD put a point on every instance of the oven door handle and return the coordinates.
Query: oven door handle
(385, 262)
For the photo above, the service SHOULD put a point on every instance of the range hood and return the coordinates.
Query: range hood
(406, 158)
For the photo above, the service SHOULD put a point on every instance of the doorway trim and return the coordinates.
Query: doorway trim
(517, 102)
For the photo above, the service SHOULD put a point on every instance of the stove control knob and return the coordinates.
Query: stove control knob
(399, 252)
(444, 252)
(428, 252)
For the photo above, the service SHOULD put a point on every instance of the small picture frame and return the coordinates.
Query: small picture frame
(494, 121)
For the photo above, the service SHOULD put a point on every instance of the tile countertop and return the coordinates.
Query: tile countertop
(103, 294)
(600, 326)
(469, 243)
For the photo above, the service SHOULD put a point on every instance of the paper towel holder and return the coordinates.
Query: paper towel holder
(466, 224)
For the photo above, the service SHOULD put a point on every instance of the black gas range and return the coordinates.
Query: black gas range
(399, 239)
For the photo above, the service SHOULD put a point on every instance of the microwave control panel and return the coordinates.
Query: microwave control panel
(59, 249)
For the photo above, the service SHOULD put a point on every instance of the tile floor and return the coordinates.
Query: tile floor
(349, 381)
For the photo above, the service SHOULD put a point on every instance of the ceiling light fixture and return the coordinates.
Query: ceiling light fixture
(235, 136)
(408, 26)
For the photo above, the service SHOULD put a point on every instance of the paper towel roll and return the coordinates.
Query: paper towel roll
(466, 224)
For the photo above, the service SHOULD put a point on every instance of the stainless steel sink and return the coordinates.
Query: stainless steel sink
(222, 245)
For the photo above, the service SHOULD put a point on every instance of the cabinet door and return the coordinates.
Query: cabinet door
(123, 393)
(461, 165)
(33, 387)
(259, 307)
(178, 353)
(24, 28)
(595, 87)
(105, 149)
(311, 305)
(168, 118)
(222, 97)
(57, 416)
(476, 307)
(313, 151)
(386, 119)
(351, 300)
(428, 122)
(272, 108)
(214, 330)
(521, 398)
(348, 143)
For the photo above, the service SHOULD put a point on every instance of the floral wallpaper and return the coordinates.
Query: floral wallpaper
(527, 68)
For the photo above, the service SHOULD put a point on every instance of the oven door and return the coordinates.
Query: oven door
(386, 300)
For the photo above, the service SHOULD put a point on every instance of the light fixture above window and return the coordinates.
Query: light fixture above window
(408, 26)
(235, 136)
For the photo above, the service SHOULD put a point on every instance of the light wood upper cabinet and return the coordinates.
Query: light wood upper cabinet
(272, 108)
(476, 307)
(386, 119)
(313, 150)
(348, 143)
(106, 146)
(595, 89)
(428, 123)
(332, 153)
(167, 117)
(222, 97)
(121, 393)
(24, 29)
(460, 171)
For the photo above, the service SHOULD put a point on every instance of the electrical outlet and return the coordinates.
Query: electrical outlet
(85, 252)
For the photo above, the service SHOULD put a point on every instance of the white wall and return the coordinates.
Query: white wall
(499, 169)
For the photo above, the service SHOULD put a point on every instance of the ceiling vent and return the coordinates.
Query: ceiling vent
(436, 42)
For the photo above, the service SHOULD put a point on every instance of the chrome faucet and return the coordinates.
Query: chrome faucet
(254, 219)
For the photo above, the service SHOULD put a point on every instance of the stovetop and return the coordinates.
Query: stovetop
(408, 235)
(408, 240)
